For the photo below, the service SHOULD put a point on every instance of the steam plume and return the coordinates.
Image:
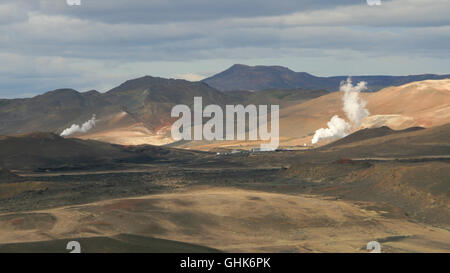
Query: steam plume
(75, 128)
(337, 128)
(354, 108)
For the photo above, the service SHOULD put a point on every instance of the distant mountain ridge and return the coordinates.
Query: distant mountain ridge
(139, 110)
(257, 78)
(148, 99)
(145, 102)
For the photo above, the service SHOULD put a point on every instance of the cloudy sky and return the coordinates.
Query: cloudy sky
(47, 44)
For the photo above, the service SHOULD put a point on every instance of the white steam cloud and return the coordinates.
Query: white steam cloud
(354, 108)
(75, 128)
(337, 128)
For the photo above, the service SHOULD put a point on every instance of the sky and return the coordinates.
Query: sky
(48, 44)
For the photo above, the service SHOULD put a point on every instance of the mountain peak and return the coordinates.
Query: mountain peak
(259, 67)
(237, 66)
(260, 77)
(61, 91)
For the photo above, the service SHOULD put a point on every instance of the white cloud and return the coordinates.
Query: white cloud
(190, 77)
(12, 12)
(47, 44)
(404, 13)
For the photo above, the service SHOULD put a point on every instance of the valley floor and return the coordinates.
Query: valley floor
(222, 204)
